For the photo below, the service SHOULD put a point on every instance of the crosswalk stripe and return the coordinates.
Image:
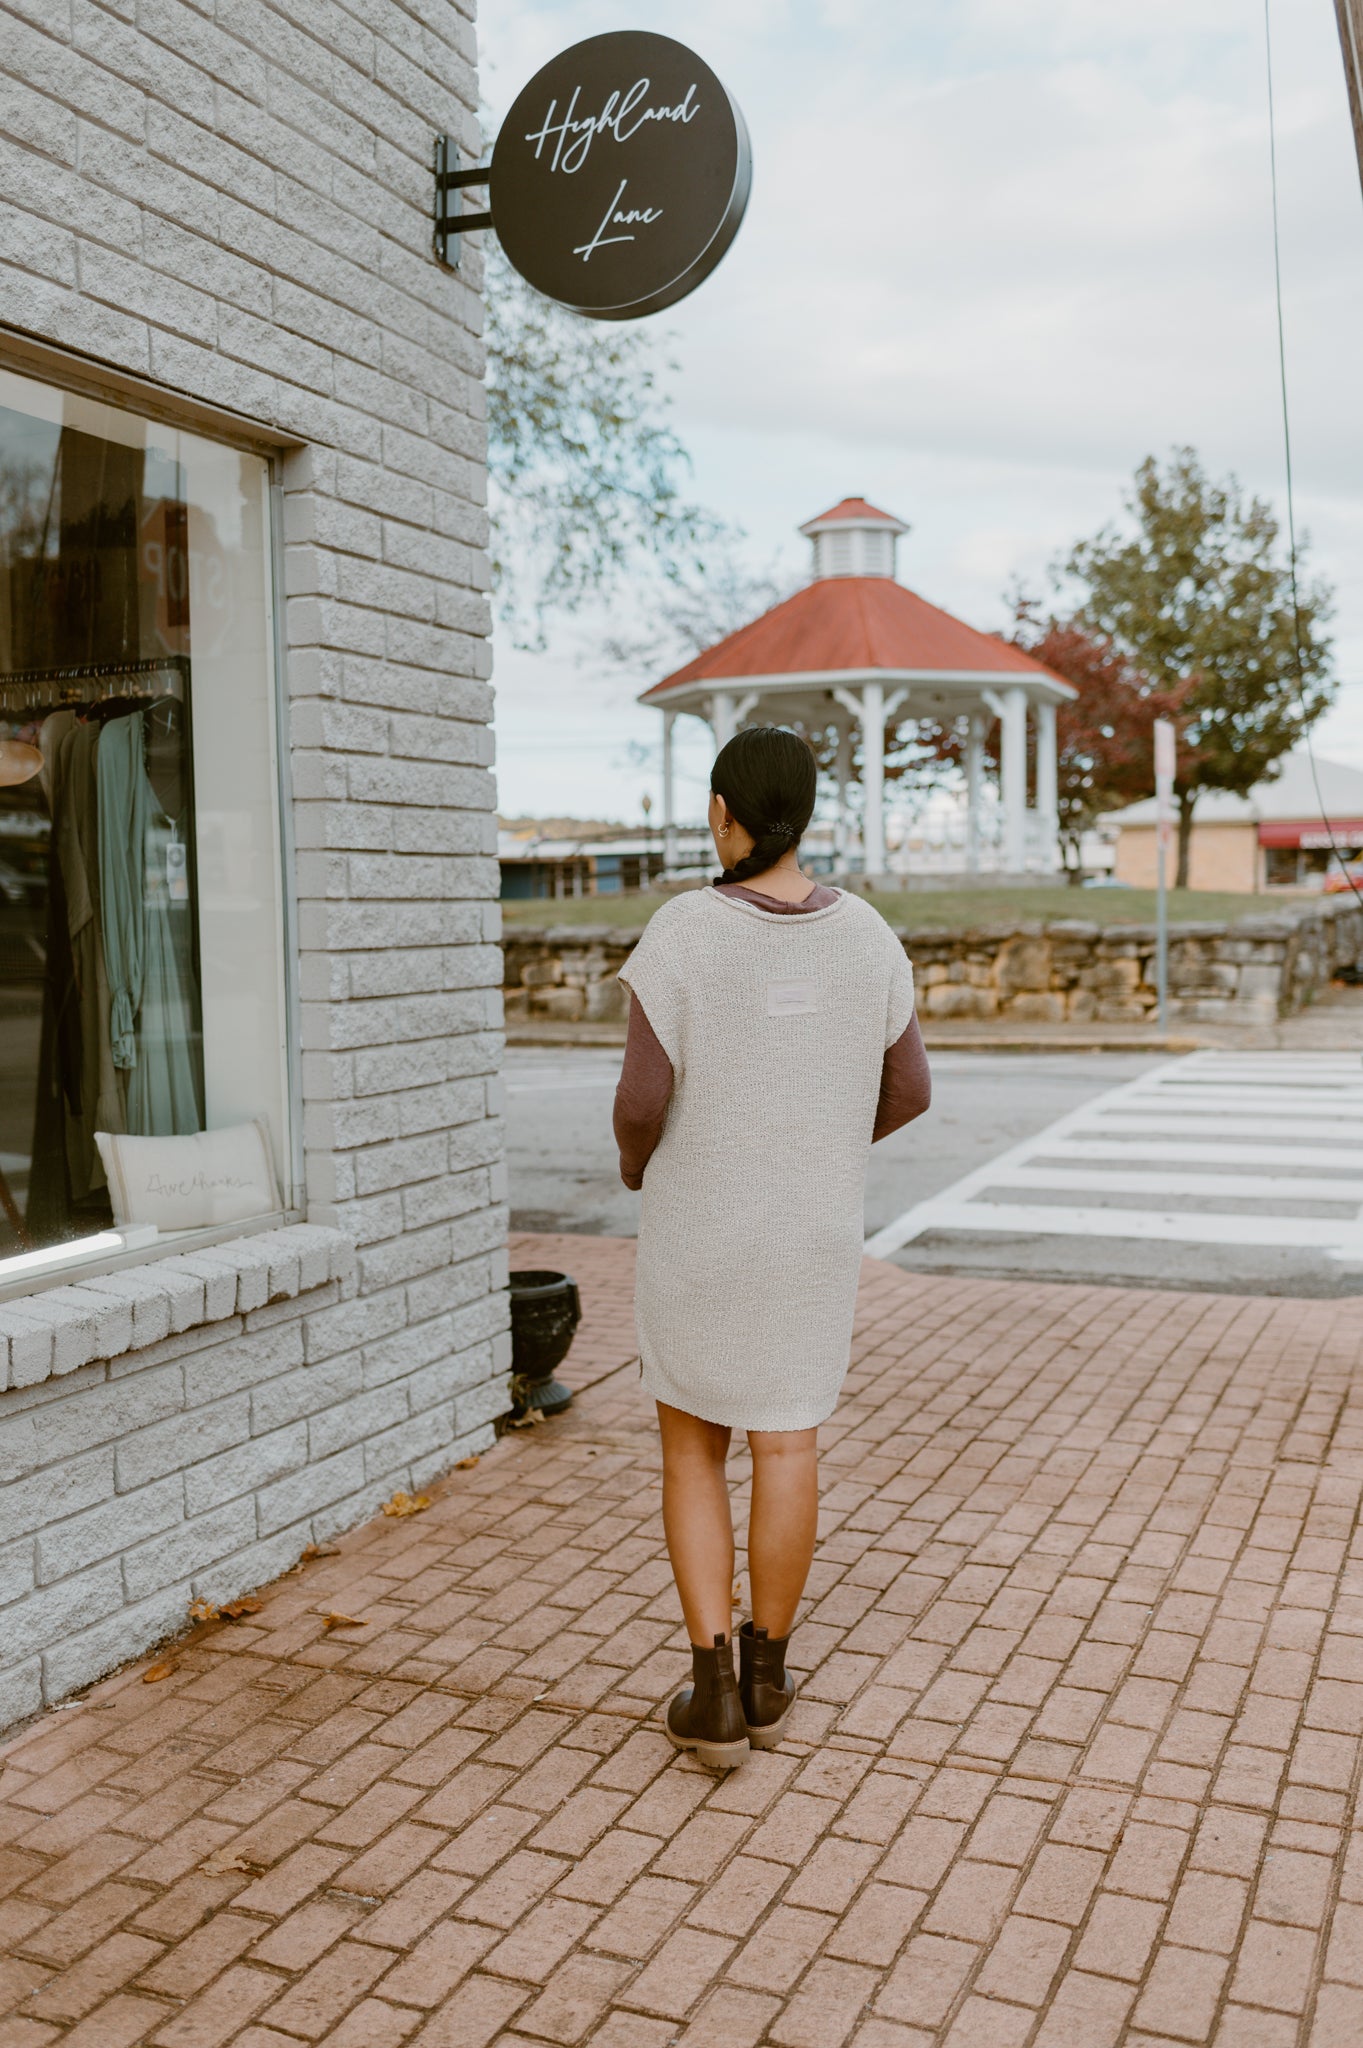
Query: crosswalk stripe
(1274, 1112)
(1273, 1107)
(1175, 1225)
(1131, 1117)
(1194, 1152)
(1132, 1180)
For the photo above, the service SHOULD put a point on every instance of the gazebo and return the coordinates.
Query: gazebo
(855, 649)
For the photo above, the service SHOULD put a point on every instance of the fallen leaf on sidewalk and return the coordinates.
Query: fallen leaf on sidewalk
(330, 1621)
(202, 1610)
(737, 1594)
(531, 1419)
(320, 1550)
(466, 1464)
(156, 1672)
(234, 1609)
(403, 1504)
(223, 1860)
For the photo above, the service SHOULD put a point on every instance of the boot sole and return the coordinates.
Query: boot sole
(719, 1756)
(770, 1737)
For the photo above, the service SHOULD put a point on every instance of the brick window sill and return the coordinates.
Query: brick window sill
(45, 1335)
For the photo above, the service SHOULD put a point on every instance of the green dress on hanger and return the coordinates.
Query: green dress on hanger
(148, 942)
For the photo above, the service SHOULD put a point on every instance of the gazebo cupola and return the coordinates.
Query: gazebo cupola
(854, 539)
(856, 651)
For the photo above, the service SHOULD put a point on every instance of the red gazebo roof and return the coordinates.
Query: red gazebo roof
(854, 508)
(856, 624)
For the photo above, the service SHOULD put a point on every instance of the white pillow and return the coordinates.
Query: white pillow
(193, 1182)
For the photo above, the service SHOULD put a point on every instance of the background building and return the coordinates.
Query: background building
(1274, 838)
(243, 620)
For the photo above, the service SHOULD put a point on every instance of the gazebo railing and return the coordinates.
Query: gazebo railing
(941, 842)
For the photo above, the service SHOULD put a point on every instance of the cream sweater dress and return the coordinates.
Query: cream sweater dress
(751, 1228)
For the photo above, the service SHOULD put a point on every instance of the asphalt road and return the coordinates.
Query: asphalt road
(563, 1171)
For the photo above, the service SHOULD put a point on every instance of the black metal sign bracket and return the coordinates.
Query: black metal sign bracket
(450, 219)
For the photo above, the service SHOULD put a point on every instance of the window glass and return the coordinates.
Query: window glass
(141, 940)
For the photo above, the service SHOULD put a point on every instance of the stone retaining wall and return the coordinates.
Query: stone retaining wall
(1067, 971)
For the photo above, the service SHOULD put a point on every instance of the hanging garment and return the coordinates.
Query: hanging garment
(148, 942)
(94, 1099)
(47, 1209)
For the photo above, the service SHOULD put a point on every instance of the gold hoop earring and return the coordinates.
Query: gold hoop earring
(723, 831)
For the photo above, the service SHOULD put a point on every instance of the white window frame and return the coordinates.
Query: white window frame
(63, 370)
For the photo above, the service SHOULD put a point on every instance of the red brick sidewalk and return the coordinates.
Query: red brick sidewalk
(1076, 1762)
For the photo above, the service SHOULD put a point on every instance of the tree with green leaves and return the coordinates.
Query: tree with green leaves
(587, 473)
(1203, 603)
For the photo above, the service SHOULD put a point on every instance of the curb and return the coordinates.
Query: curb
(614, 1034)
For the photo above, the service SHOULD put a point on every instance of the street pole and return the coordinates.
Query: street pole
(1165, 759)
(646, 806)
(1350, 17)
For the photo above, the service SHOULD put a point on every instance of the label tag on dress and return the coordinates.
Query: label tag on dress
(791, 999)
(177, 871)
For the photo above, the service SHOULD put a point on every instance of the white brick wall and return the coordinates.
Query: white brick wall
(201, 1463)
(232, 201)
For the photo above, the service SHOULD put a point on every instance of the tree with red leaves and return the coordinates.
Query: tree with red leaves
(1104, 736)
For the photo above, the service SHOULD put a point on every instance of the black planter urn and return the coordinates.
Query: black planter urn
(545, 1312)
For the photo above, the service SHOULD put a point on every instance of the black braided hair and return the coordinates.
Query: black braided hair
(769, 781)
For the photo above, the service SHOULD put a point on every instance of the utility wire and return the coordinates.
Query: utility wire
(1287, 459)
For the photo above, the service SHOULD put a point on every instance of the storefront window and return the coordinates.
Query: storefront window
(141, 898)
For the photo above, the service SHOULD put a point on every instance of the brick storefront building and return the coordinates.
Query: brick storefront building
(243, 622)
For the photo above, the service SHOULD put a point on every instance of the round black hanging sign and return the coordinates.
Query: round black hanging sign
(620, 175)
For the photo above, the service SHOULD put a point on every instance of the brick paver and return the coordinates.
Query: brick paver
(1075, 1765)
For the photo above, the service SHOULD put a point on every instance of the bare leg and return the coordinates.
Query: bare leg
(697, 1521)
(782, 1524)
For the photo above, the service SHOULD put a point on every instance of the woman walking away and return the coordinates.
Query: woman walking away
(772, 1040)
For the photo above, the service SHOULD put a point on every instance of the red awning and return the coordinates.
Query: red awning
(1312, 832)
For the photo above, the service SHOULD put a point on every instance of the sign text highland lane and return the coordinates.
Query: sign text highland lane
(620, 175)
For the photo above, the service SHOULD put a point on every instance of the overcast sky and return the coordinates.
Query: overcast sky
(997, 251)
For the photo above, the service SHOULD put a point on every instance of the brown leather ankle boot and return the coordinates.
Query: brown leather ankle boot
(707, 1715)
(765, 1687)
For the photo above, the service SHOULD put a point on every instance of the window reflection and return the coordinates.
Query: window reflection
(101, 1025)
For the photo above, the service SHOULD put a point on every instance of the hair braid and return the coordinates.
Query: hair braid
(766, 852)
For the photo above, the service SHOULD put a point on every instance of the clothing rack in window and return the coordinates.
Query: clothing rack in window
(31, 687)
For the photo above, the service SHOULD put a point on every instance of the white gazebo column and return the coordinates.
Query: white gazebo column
(1014, 780)
(974, 790)
(871, 710)
(669, 807)
(1047, 782)
(873, 779)
(728, 712)
(842, 770)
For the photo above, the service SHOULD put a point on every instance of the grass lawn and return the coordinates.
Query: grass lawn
(949, 908)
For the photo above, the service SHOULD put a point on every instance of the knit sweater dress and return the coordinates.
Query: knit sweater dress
(750, 1231)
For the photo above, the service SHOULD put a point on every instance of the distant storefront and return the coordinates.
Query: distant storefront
(544, 869)
(1281, 836)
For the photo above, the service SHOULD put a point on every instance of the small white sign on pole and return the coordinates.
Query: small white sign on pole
(1165, 769)
(1166, 766)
